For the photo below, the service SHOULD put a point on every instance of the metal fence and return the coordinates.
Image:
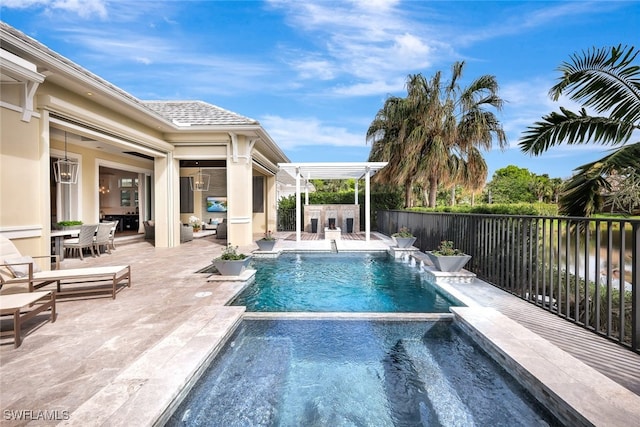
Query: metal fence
(584, 270)
(286, 220)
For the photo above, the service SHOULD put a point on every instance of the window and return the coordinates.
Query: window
(128, 182)
(258, 194)
(125, 198)
(186, 195)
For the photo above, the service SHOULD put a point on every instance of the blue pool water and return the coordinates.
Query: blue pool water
(342, 283)
(353, 373)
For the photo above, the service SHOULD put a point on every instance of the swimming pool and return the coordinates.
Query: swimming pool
(333, 373)
(344, 282)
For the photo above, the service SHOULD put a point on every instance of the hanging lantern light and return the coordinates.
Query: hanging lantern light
(199, 181)
(65, 171)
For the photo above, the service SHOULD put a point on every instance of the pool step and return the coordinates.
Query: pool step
(444, 398)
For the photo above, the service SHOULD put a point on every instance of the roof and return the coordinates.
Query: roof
(197, 113)
(332, 170)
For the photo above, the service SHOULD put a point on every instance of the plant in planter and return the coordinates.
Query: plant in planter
(195, 222)
(68, 225)
(447, 258)
(404, 238)
(231, 263)
(267, 242)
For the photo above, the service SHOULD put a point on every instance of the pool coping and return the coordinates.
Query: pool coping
(575, 393)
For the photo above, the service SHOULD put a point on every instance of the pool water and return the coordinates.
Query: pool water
(340, 283)
(355, 373)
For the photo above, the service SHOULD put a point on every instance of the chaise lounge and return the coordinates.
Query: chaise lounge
(18, 270)
(25, 306)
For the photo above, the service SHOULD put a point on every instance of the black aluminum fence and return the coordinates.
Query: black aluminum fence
(286, 220)
(584, 270)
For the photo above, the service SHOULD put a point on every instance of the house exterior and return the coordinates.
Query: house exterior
(137, 160)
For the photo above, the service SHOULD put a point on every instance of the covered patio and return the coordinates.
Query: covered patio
(302, 173)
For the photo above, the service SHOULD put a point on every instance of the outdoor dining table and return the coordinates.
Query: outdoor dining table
(58, 240)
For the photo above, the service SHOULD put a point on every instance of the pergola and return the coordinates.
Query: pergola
(337, 170)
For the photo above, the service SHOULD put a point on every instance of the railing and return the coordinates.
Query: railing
(584, 270)
(286, 220)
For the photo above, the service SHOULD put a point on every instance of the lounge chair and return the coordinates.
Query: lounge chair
(24, 306)
(18, 271)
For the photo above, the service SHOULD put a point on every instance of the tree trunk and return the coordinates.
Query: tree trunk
(453, 196)
(473, 198)
(408, 192)
(433, 192)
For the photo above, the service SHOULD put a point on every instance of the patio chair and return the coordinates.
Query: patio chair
(83, 241)
(102, 237)
(20, 273)
(112, 235)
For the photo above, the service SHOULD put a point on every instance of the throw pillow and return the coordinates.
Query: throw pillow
(21, 270)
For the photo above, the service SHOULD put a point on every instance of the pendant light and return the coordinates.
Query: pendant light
(199, 181)
(65, 171)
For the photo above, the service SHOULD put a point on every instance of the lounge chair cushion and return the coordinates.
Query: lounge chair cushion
(19, 266)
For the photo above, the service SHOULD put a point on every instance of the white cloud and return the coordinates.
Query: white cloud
(292, 133)
(83, 8)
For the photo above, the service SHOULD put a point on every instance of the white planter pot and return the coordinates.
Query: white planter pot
(405, 242)
(448, 263)
(266, 245)
(231, 267)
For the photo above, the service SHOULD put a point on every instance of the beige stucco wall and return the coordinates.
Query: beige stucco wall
(21, 193)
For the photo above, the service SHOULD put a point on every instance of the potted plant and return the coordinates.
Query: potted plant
(69, 225)
(231, 263)
(404, 238)
(194, 221)
(448, 258)
(267, 242)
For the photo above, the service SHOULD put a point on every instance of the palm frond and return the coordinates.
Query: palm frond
(605, 80)
(574, 128)
(582, 194)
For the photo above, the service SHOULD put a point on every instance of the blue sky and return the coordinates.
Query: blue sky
(314, 73)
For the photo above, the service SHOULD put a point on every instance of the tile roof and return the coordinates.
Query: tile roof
(197, 113)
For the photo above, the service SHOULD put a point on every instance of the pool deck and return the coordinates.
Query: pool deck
(123, 362)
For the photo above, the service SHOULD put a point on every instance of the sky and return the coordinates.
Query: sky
(315, 73)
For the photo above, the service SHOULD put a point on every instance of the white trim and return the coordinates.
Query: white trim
(25, 73)
(17, 108)
(21, 231)
(240, 220)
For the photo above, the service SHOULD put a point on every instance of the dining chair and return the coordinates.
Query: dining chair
(112, 235)
(83, 241)
(102, 237)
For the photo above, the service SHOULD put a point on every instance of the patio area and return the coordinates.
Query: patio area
(123, 361)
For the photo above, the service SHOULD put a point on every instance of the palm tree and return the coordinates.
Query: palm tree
(606, 81)
(436, 132)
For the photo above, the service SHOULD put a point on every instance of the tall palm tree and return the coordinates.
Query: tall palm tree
(606, 81)
(436, 132)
